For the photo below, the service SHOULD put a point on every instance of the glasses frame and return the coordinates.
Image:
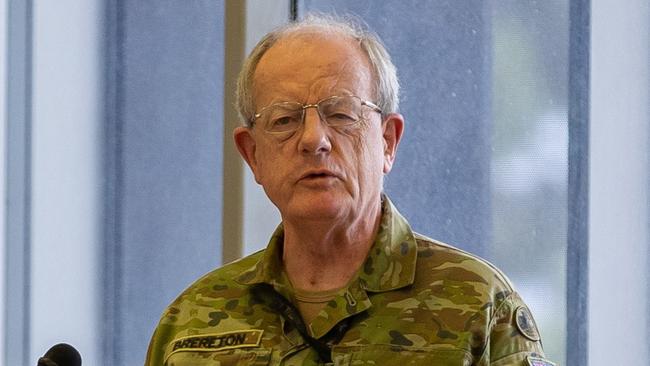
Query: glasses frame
(316, 105)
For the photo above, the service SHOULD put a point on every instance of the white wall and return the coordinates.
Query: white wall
(66, 167)
(618, 197)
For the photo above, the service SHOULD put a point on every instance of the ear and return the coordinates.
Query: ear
(245, 142)
(393, 127)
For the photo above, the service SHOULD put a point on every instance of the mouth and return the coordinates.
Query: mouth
(318, 174)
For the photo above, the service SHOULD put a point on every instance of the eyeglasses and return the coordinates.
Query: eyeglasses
(335, 111)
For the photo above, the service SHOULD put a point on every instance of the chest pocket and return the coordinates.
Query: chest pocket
(233, 357)
(389, 355)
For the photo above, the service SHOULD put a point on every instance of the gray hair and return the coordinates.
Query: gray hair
(386, 85)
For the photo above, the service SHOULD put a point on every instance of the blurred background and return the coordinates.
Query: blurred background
(526, 143)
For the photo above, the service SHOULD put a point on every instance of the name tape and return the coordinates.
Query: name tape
(217, 341)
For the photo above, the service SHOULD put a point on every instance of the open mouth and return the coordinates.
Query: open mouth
(317, 175)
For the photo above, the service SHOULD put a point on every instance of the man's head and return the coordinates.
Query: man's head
(386, 84)
(322, 169)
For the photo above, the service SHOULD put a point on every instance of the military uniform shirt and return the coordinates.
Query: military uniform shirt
(414, 301)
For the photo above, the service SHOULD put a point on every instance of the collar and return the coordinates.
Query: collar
(390, 263)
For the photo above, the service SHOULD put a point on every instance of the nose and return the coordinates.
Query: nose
(315, 137)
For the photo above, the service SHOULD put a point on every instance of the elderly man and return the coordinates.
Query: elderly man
(344, 280)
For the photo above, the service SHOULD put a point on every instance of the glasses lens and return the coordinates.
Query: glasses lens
(283, 117)
(341, 111)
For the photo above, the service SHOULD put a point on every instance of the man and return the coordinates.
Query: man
(343, 280)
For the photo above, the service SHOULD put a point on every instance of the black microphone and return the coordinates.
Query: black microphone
(61, 354)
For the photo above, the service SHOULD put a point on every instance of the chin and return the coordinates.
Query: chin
(319, 207)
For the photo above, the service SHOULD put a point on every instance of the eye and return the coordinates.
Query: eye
(341, 111)
(283, 120)
(341, 118)
(341, 114)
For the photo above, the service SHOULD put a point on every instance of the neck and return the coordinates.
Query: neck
(320, 256)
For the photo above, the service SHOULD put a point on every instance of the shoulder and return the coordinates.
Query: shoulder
(214, 302)
(445, 264)
(213, 290)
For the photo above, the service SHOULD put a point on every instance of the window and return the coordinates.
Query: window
(483, 164)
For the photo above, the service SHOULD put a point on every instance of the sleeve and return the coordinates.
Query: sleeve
(156, 351)
(514, 338)
(162, 336)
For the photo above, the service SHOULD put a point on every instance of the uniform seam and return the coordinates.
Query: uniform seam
(491, 325)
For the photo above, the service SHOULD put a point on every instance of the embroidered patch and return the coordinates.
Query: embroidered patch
(536, 361)
(216, 342)
(526, 324)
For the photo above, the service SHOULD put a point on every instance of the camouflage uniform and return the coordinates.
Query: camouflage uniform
(415, 301)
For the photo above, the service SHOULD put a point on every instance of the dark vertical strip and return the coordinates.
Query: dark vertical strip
(19, 161)
(578, 235)
(233, 173)
(293, 10)
(113, 178)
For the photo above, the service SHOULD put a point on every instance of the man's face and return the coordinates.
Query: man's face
(319, 172)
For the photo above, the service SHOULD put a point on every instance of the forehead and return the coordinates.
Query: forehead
(308, 67)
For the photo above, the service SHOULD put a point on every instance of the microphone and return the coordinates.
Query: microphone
(61, 354)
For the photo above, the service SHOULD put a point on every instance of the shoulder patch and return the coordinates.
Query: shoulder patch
(536, 361)
(216, 341)
(526, 323)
